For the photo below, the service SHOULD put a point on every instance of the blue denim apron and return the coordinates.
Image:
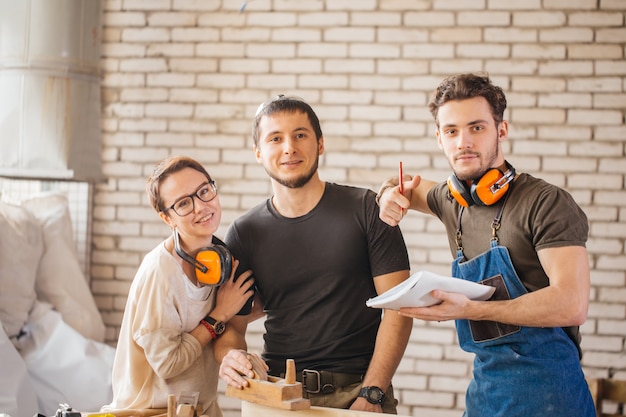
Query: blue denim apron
(518, 371)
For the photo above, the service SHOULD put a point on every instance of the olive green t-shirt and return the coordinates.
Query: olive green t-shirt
(537, 215)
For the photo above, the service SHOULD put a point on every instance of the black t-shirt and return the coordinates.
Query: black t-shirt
(315, 273)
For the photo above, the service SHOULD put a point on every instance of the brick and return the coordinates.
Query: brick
(165, 110)
(298, 66)
(299, 35)
(323, 19)
(166, 139)
(484, 50)
(376, 18)
(429, 398)
(426, 50)
(617, 35)
(354, 34)
(459, 5)
(197, 65)
(599, 150)
(321, 50)
(611, 246)
(123, 80)
(195, 5)
(222, 19)
(612, 327)
(602, 343)
(483, 18)
(595, 117)
(539, 19)
(565, 100)
(170, 49)
(566, 35)
(125, 110)
(610, 132)
(610, 311)
(359, 66)
(539, 84)
(541, 116)
(143, 65)
(456, 34)
(237, 65)
(146, 35)
(143, 94)
(304, 5)
(221, 80)
(170, 80)
(510, 35)
(515, 5)
(402, 5)
(352, 5)
(597, 84)
(402, 66)
(569, 4)
(194, 34)
(617, 101)
(217, 111)
(608, 229)
(221, 49)
(595, 18)
(595, 51)
(511, 67)
(146, 4)
(573, 68)
(539, 51)
(272, 19)
(172, 19)
(610, 67)
(123, 19)
(449, 368)
(429, 19)
(557, 164)
(143, 125)
(529, 147)
(449, 384)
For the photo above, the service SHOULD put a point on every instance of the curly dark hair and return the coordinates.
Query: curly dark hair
(465, 86)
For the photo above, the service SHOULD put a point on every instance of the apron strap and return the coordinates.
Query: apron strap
(495, 225)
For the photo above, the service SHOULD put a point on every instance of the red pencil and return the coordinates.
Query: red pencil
(401, 185)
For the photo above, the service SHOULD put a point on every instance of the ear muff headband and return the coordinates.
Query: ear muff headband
(490, 188)
(212, 264)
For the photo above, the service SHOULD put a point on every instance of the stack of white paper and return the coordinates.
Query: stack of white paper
(415, 291)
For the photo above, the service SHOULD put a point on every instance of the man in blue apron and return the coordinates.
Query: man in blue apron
(517, 233)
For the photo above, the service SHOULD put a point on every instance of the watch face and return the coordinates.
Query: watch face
(375, 395)
(219, 327)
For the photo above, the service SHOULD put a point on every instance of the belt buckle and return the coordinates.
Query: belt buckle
(306, 373)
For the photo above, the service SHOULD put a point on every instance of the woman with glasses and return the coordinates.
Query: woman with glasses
(181, 298)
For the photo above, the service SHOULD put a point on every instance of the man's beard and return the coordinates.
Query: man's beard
(297, 182)
(477, 175)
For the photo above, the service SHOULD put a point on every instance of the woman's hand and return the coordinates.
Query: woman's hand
(233, 294)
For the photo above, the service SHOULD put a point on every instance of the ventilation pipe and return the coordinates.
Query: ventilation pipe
(50, 89)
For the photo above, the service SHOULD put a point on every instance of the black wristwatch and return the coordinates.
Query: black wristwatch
(373, 395)
(218, 326)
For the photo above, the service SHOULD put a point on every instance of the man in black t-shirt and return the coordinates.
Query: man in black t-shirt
(318, 251)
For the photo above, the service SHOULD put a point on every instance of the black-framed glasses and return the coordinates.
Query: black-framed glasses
(279, 97)
(185, 205)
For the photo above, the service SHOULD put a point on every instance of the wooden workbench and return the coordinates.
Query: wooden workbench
(257, 410)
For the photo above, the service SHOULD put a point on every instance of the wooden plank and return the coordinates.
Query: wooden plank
(249, 409)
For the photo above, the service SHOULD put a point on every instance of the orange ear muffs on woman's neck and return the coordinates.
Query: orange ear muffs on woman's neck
(213, 264)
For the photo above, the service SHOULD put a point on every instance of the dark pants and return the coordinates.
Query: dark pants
(337, 390)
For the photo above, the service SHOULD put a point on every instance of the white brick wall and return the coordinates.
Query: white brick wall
(185, 76)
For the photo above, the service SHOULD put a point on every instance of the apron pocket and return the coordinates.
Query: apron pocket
(485, 330)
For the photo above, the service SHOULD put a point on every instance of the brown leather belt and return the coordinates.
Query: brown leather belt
(325, 382)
